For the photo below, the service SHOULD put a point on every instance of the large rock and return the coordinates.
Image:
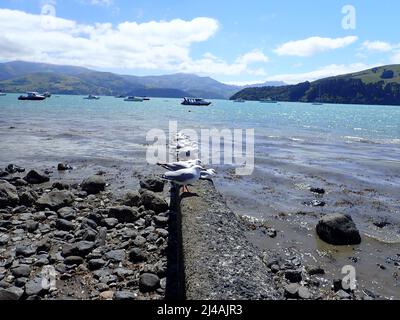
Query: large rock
(338, 229)
(151, 201)
(8, 295)
(148, 282)
(93, 185)
(56, 200)
(132, 199)
(34, 177)
(153, 183)
(123, 214)
(28, 198)
(79, 249)
(8, 194)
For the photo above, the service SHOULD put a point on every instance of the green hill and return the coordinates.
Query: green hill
(379, 86)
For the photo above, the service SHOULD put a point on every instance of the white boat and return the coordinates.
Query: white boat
(33, 96)
(269, 100)
(92, 97)
(2, 94)
(195, 102)
(133, 99)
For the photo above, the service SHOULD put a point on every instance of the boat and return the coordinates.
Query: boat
(120, 96)
(47, 94)
(240, 100)
(2, 94)
(33, 96)
(269, 100)
(92, 97)
(195, 102)
(133, 99)
(145, 99)
(318, 104)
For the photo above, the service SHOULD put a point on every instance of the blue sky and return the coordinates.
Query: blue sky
(231, 41)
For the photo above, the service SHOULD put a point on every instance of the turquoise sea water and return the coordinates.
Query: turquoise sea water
(296, 143)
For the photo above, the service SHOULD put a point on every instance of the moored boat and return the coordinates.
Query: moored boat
(92, 97)
(32, 96)
(269, 100)
(2, 94)
(133, 99)
(195, 102)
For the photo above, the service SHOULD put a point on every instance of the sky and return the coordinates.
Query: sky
(238, 42)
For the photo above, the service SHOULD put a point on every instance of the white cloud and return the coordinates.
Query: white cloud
(323, 72)
(102, 2)
(379, 46)
(156, 45)
(313, 45)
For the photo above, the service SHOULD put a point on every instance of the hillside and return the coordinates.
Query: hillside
(379, 86)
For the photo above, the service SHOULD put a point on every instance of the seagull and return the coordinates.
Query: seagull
(206, 174)
(184, 177)
(175, 166)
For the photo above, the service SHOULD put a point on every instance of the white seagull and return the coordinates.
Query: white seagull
(184, 177)
(175, 166)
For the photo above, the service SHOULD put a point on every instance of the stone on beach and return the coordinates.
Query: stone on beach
(148, 282)
(123, 214)
(338, 229)
(154, 184)
(132, 199)
(93, 185)
(34, 177)
(56, 200)
(8, 194)
(152, 201)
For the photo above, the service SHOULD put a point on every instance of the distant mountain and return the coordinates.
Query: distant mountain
(20, 76)
(266, 84)
(379, 86)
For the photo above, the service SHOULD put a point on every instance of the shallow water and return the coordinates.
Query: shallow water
(352, 151)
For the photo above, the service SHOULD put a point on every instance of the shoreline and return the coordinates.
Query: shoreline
(284, 243)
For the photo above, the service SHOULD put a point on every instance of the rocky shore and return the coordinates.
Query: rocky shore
(80, 241)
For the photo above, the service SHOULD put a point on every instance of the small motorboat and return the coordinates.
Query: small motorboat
(269, 100)
(195, 102)
(120, 96)
(133, 99)
(2, 94)
(146, 99)
(92, 97)
(33, 96)
(240, 100)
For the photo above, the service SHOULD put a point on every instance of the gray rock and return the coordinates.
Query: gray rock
(64, 225)
(34, 287)
(272, 233)
(153, 183)
(124, 295)
(12, 168)
(96, 264)
(44, 246)
(32, 226)
(93, 185)
(132, 199)
(9, 295)
(64, 167)
(304, 293)
(20, 183)
(73, 260)
(151, 201)
(116, 255)
(28, 198)
(22, 271)
(34, 177)
(338, 229)
(123, 214)
(81, 249)
(149, 282)
(161, 221)
(136, 256)
(293, 276)
(139, 241)
(56, 200)
(8, 194)
(109, 223)
(67, 213)
(292, 291)
(24, 251)
(315, 271)
(60, 185)
(317, 190)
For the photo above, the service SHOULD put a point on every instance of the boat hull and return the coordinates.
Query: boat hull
(196, 104)
(31, 98)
